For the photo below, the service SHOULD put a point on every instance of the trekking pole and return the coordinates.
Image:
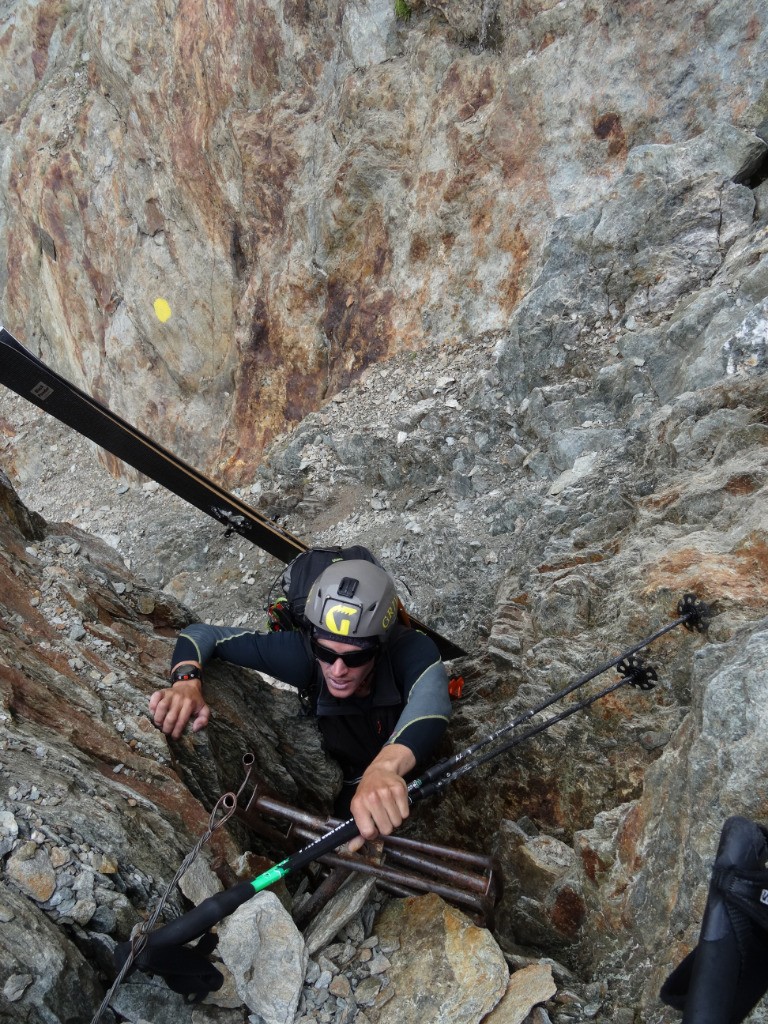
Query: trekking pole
(691, 612)
(634, 672)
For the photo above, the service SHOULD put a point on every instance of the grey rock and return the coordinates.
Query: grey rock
(103, 920)
(723, 148)
(199, 882)
(378, 964)
(16, 986)
(83, 911)
(44, 975)
(338, 912)
(9, 831)
(367, 991)
(267, 957)
(324, 980)
(539, 1015)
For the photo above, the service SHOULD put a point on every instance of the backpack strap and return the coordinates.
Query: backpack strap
(309, 694)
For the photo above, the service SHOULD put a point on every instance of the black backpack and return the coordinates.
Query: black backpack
(288, 595)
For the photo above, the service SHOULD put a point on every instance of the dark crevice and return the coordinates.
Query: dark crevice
(236, 251)
(756, 172)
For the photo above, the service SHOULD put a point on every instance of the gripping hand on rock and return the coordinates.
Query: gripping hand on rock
(173, 707)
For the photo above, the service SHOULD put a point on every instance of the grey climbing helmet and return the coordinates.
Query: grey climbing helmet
(353, 600)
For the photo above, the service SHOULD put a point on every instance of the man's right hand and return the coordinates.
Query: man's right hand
(173, 707)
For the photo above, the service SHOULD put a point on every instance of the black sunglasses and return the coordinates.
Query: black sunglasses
(352, 659)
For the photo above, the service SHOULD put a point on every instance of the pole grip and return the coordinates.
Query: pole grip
(215, 908)
(198, 920)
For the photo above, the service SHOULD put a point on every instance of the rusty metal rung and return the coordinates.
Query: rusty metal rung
(406, 883)
(404, 867)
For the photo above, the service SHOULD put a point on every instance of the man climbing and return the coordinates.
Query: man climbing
(378, 688)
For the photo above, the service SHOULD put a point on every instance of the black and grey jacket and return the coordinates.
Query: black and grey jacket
(408, 703)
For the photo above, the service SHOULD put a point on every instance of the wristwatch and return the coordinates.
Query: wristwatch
(182, 673)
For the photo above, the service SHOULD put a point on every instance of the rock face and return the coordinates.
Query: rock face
(95, 814)
(41, 967)
(712, 765)
(554, 219)
(308, 188)
(449, 967)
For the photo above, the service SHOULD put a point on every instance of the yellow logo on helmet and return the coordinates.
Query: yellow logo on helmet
(339, 619)
(389, 614)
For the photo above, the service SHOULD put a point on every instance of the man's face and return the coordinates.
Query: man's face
(341, 680)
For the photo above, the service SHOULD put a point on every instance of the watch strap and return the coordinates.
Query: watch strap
(183, 673)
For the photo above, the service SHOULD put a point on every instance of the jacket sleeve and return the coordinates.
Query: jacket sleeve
(427, 709)
(282, 655)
